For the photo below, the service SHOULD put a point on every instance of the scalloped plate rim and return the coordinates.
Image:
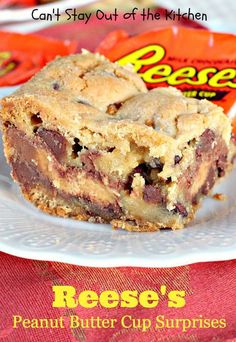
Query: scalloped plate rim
(118, 261)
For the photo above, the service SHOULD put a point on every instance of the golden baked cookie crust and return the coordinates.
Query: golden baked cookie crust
(85, 139)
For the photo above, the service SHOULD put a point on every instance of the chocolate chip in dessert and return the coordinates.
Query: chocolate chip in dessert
(150, 122)
(180, 209)
(8, 124)
(111, 149)
(155, 163)
(113, 108)
(76, 148)
(221, 172)
(177, 159)
(152, 194)
(56, 86)
(221, 165)
(36, 119)
(144, 170)
(192, 142)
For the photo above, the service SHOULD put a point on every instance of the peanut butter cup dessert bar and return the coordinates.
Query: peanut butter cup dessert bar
(86, 140)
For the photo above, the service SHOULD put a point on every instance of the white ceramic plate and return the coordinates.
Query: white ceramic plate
(26, 232)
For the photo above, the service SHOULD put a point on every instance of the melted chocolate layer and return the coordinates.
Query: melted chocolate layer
(210, 149)
(28, 175)
(205, 143)
(55, 142)
(108, 213)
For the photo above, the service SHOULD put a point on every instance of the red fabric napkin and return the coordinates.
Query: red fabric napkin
(26, 290)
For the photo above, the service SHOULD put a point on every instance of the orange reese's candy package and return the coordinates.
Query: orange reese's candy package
(22, 55)
(199, 62)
